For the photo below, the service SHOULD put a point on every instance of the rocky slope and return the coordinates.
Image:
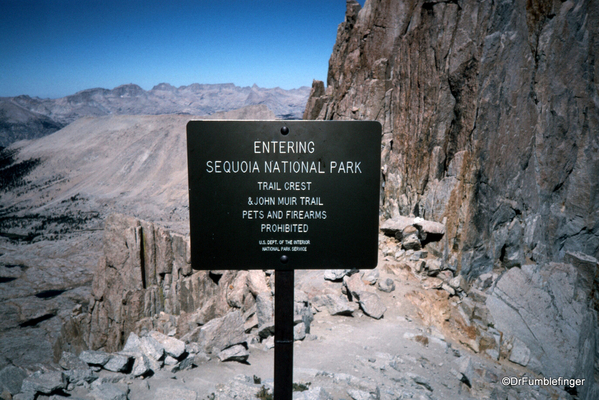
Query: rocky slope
(157, 327)
(490, 119)
(72, 179)
(24, 117)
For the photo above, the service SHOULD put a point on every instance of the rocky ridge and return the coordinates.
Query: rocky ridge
(24, 117)
(150, 318)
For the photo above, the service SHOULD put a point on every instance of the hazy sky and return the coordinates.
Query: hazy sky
(53, 48)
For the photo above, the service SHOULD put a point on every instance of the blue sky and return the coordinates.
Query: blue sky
(54, 48)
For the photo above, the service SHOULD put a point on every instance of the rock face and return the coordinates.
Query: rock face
(544, 313)
(146, 270)
(489, 117)
(145, 283)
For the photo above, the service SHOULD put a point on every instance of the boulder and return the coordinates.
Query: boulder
(265, 314)
(222, 333)
(335, 304)
(396, 224)
(44, 382)
(335, 274)
(234, 353)
(152, 348)
(133, 344)
(354, 285)
(141, 366)
(93, 357)
(11, 379)
(257, 282)
(372, 305)
(69, 360)
(118, 363)
(172, 346)
(386, 285)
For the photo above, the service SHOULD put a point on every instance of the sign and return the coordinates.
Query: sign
(284, 195)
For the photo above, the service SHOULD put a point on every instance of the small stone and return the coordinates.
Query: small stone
(371, 277)
(433, 266)
(169, 360)
(335, 274)
(419, 266)
(269, 343)
(458, 283)
(192, 348)
(411, 242)
(386, 285)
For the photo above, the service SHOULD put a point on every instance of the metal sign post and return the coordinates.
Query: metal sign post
(283, 195)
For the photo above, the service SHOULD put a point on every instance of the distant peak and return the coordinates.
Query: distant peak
(164, 86)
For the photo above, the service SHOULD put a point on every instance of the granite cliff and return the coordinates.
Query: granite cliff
(490, 119)
(490, 116)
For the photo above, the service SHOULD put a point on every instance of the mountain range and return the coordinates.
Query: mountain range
(25, 117)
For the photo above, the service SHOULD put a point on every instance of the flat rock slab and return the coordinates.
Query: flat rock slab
(396, 224)
(235, 353)
(335, 304)
(172, 346)
(118, 363)
(44, 382)
(11, 379)
(94, 357)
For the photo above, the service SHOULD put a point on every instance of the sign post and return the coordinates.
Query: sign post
(283, 195)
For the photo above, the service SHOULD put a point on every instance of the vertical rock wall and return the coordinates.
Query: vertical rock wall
(146, 270)
(490, 114)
